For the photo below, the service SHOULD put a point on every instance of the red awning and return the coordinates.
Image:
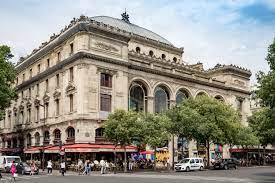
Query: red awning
(147, 152)
(82, 148)
(10, 149)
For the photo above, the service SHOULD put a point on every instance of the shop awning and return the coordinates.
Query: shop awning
(82, 148)
(10, 150)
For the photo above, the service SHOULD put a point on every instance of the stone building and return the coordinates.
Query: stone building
(68, 86)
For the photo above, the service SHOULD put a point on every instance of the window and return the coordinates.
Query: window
(105, 102)
(137, 100)
(71, 133)
(29, 115)
(192, 161)
(9, 120)
(138, 49)
(29, 140)
(71, 74)
(197, 160)
(57, 106)
(57, 134)
(30, 73)
(9, 144)
(58, 56)
(181, 96)
(16, 81)
(22, 95)
(161, 99)
(71, 48)
(47, 109)
(38, 68)
(239, 104)
(37, 139)
(99, 132)
(23, 77)
(37, 89)
(106, 80)
(71, 102)
(151, 53)
(163, 56)
(48, 63)
(37, 114)
(47, 85)
(46, 136)
(175, 59)
(57, 81)
(30, 92)
(14, 142)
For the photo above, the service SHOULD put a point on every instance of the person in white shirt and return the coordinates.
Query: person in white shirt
(102, 164)
(63, 167)
(79, 166)
(50, 167)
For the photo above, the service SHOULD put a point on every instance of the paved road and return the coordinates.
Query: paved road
(243, 175)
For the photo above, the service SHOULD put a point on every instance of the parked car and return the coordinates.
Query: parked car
(24, 168)
(6, 161)
(225, 164)
(188, 164)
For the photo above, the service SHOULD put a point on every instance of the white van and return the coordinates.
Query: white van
(6, 161)
(188, 164)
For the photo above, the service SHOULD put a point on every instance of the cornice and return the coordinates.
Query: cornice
(131, 65)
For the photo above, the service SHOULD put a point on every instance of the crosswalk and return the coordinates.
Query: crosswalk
(21, 177)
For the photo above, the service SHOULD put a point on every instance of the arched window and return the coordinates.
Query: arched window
(37, 139)
(99, 132)
(151, 53)
(57, 134)
(70, 133)
(181, 96)
(163, 56)
(138, 49)
(29, 140)
(46, 136)
(137, 98)
(161, 99)
(175, 59)
(220, 98)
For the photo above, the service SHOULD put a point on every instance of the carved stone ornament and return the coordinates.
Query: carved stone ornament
(106, 47)
(46, 98)
(9, 111)
(14, 110)
(36, 102)
(56, 94)
(21, 108)
(29, 104)
(70, 89)
(240, 98)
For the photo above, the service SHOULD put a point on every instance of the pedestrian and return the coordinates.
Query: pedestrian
(63, 167)
(102, 164)
(130, 165)
(79, 166)
(13, 171)
(50, 167)
(33, 167)
(85, 168)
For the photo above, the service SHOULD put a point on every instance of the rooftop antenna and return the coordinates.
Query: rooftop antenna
(125, 17)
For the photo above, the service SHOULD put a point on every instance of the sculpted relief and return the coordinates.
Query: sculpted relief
(106, 47)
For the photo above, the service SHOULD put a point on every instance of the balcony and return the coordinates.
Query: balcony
(56, 141)
(70, 140)
(101, 140)
(46, 142)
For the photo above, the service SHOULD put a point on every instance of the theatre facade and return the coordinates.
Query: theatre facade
(68, 86)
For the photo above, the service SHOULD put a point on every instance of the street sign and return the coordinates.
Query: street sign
(62, 153)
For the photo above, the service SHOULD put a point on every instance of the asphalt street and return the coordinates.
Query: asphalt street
(242, 175)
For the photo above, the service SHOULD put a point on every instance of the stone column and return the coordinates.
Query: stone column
(150, 104)
(173, 143)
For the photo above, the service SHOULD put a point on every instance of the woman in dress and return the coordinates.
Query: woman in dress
(13, 170)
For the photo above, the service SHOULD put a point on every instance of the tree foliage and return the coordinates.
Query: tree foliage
(246, 137)
(7, 77)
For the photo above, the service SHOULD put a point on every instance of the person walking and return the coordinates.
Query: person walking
(13, 172)
(130, 164)
(50, 167)
(63, 167)
(102, 164)
(79, 166)
(33, 167)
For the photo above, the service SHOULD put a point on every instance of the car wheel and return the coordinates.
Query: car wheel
(225, 167)
(201, 168)
(187, 169)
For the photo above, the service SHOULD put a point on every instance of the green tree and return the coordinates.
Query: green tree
(7, 78)
(246, 138)
(155, 131)
(262, 124)
(122, 127)
(214, 122)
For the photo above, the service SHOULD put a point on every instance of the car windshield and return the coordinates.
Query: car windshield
(184, 161)
(11, 159)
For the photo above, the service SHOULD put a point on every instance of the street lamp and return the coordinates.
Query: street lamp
(44, 122)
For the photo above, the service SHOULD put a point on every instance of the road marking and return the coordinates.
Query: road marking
(199, 178)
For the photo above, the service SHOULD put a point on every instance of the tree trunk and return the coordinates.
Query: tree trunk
(208, 153)
(247, 162)
(264, 155)
(125, 160)
(259, 159)
(173, 155)
(155, 161)
(115, 169)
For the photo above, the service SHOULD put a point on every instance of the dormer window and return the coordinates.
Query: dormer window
(163, 56)
(71, 48)
(151, 53)
(58, 56)
(138, 49)
(175, 59)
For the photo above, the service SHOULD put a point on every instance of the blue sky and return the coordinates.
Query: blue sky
(211, 31)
